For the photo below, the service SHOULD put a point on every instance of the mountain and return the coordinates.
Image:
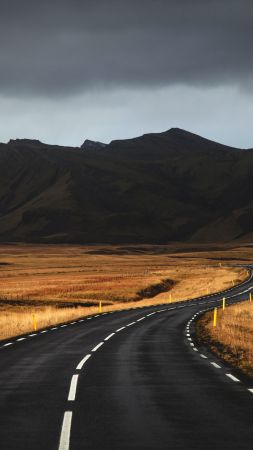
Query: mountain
(92, 145)
(160, 187)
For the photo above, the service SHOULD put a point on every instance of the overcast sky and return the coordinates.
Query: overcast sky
(110, 69)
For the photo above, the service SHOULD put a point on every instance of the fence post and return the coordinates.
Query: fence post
(215, 317)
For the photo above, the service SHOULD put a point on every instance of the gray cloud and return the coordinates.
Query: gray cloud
(60, 47)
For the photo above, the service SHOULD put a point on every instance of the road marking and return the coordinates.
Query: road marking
(72, 389)
(89, 318)
(109, 337)
(72, 323)
(80, 365)
(215, 365)
(20, 339)
(203, 356)
(119, 329)
(63, 326)
(81, 320)
(65, 431)
(250, 390)
(195, 349)
(142, 318)
(192, 344)
(8, 343)
(130, 324)
(151, 314)
(229, 375)
(97, 347)
(44, 331)
(54, 328)
(34, 334)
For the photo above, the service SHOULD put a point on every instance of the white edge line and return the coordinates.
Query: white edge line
(229, 375)
(97, 347)
(119, 329)
(215, 365)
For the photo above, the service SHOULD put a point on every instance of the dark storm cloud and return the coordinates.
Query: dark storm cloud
(59, 47)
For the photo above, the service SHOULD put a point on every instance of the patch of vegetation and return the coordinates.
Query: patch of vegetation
(155, 289)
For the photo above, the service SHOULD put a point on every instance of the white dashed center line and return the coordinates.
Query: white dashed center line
(81, 364)
(72, 389)
(109, 337)
(65, 431)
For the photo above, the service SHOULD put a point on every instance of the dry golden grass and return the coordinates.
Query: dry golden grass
(232, 338)
(48, 279)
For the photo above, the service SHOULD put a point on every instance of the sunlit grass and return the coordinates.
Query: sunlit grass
(47, 280)
(232, 338)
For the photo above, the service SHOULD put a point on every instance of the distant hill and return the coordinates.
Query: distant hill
(171, 186)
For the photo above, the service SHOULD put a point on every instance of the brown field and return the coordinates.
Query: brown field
(232, 338)
(58, 283)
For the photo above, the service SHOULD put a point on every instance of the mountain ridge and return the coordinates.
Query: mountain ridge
(159, 187)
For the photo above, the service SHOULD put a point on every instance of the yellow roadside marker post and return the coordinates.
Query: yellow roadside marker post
(223, 303)
(34, 322)
(100, 307)
(250, 296)
(170, 299)
(215, 317)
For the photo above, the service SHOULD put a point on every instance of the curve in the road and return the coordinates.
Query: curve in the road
(132, 380)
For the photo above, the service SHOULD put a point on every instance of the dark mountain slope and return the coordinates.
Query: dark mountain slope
(155, 188)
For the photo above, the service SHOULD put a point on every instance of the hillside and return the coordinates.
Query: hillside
(155, 188)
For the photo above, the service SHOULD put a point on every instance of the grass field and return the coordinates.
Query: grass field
(59, 283)
(232, 339)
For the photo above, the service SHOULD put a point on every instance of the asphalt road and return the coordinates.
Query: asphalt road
(145, 387)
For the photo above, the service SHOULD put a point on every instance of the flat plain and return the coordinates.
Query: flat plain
(57, 283)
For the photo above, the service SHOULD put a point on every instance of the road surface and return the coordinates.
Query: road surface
(125, 380)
